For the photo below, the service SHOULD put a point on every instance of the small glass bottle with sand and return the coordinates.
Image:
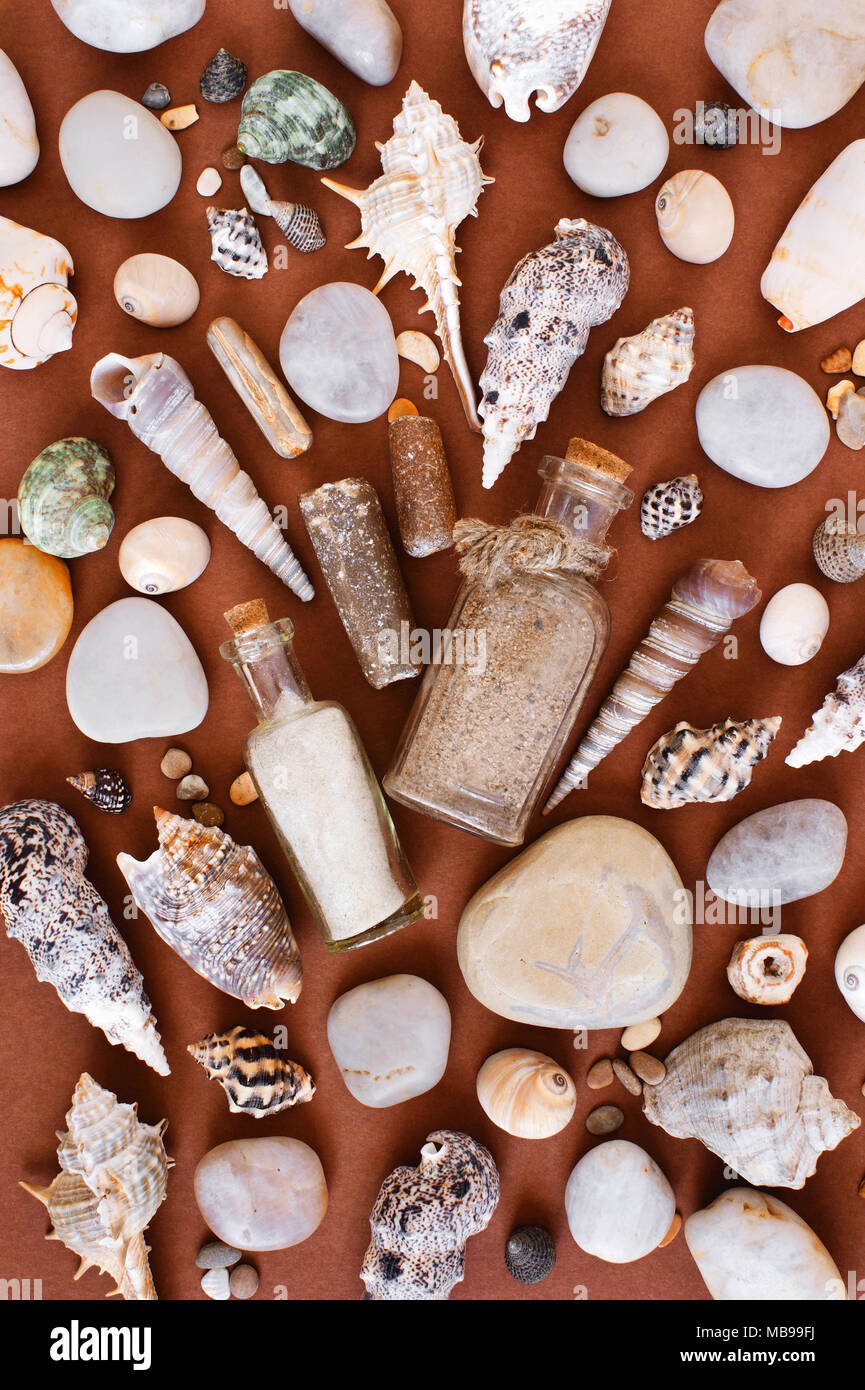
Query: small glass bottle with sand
(316, 784)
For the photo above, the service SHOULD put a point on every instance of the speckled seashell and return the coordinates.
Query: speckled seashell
(745, 1088)
(688, 765)
(767, 969)
(113, 1178)
(423, 1217)
(839, 724)
(526, 1093)
(530, 1254)
(839, 550)
(716, 124)
(695, 216)
(237, 247)
(638, 370)
(257, 1079)
(666, 507)
(63, 497)
(214, 903)
(163, 554)
(63, 924)
(105, 787)
(299, 224)
(224, 78)
(289, 116)
(156, 290)
(38, 311)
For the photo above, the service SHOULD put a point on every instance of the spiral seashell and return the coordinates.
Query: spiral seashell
(638, 370)
(63, 498)
(163, 554)
(213, 902)
(767, 969)
(695, 216)
(113, 1178)
(37, 309)
(526, 1093)
(666, 507)
(255, 1076)
(794, 624)
(839, 724)
(688, 765)
(839, 550)
(299, 224)
(850, 970)
(237, 247)
(289, 116)
(156, 290)
(106, 788)
(530, 1254)
(716, 124)
(224, 78)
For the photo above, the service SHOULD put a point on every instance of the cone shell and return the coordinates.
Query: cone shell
(257, 1079)
(715, 764)
(666, 507)
(63, 498)
(106, 788)
(526, 1093)
(745, 1088)
(839, 725)
(767, 969)
(839, 550)
(163, 554)
(530, 1254)
(214, 903)
(695, 216)
(113, 1178)
(638, 370)
(237, 247)
(156, 290)
(37, 309)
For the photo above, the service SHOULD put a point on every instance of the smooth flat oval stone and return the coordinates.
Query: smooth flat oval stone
(779, 855)
(363, 35)
(35, 606)
(590, 927)
(128, 26)
(762, 424)
(133, 673)
(261, 1194)
(118, 158)
(338, 353)
(19, 144)
(618, 1202)
(390, 1039)
(617, 145)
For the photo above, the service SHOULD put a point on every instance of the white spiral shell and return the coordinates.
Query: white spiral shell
(850, 970)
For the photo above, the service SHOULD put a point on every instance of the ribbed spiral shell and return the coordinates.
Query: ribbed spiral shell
(666, 507)
(530, 1254)
(63, 498)
(257, 1079)
(839, 550)
(299, 225)
(639, 369)
(224, 78)
(839, 724)
(287, 115)
(688, 765)
(237, 247)
(105, 787)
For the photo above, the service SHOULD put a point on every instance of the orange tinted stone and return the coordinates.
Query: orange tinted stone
(35, 606)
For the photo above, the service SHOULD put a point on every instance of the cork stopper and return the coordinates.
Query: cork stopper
(593, 456)
(247, 617)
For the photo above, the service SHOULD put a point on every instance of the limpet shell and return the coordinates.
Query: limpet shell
(156, 290)
(695, 216)
(526, 1093)
(163, 554)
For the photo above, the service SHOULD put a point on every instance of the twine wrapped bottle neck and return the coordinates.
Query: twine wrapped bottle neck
(528, 544)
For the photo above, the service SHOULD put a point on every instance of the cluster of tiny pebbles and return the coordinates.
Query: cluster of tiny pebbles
(641, 1069)
(844, 402)
(224, 1277)
(177, 765)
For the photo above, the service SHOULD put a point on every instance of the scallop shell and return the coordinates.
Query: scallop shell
(423, 1217)
(767, 969)
(839, 724)
(638, 370)
(163, 554)
(518, 47)
(668, 506)
(156, 290)
(530, 1254)
(550, 301)
(113, 1178)
(687, 764)
(695, 216)
(409, 216)
(37, 309)
(257, 1079)
(745, 1088)
(224, 78)
(237, 247)
(526, 1093)
(289, 116)
(793, 625)
(213, 902)
(106, 788)
(63, 497)
(839, 550)
(850, 970)
(63, 924)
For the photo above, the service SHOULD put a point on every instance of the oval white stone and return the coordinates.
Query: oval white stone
(619, 1204)
(119, 159)
(618, 145)
(19, 145)
(128, 26)
(261, 1194)
(338, 353)
(762, 424)
(363, 35)
(780, 854)
(390, 1039)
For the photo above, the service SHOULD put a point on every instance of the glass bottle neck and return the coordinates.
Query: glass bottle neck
(271, 674)
(580, 499)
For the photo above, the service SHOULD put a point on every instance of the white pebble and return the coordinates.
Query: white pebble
(209, 182)
(216, 1284)
(617, 145)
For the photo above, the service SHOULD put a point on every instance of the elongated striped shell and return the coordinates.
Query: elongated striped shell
(666, 507)
(63, 498)
(526, 1093)
(839, 724)
(713, 764)
(639, 369)
(214, 903)
(113, 1178)
(287, 115)
(106, 788)
(257, 1079)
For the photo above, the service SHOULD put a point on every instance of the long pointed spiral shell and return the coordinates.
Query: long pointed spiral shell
(63, 924)
(839, 550)
(257, 1079)
(703, 605)
(639, 369)
(839, 724)
(155, 397)
(687, 765)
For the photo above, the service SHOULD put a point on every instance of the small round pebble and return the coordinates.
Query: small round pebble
(600, 1074)
(209, 182)
(242, 790)
(604, 1119)
(176, 764)
(674, 1230)
(648, 1068)
(216, 1284)
(157, 97)
(207, 814)
(217, 1255)
(192, 788)
(244, 1281)
(233, 157)
(624, 1074)
(641, 1035)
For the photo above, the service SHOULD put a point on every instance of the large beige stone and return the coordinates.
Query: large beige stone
(589, 927)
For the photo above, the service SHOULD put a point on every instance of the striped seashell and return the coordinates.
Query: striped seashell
(639, 369)
(299, 225)
(688, 765)
(237, 247)
(255, 1076)
(224, 78)
(106, 788)
(668, 506)
(839, 725)
(530, 1254)
(839, 550)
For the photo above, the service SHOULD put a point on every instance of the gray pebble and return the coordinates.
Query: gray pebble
(217, 1255)
(156, 97)
(216, 1284)
(604, 1119)
(244, 1281)
(192, 788)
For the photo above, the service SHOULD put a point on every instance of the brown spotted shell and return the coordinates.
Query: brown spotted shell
(257, 1079)
(839, 550)
(668, 506)
(687, 764)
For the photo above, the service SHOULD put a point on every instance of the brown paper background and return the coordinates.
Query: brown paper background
(656, 51)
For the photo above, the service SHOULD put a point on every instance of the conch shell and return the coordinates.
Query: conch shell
(517, 47)
(63, 498)
(638, 370)
(818, 267)
(257, 1079)
(214, 903)
(409, 216)
(526, 1093)
(550, 301)
(713, 764)
(423, 1217)
(745, 1088)
(64, 926)
(839, 550)
(704, 603)
(839, 724)
(113, 1177)
(155, 397)
(668, 506)
(767, 969)
(37, 309)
